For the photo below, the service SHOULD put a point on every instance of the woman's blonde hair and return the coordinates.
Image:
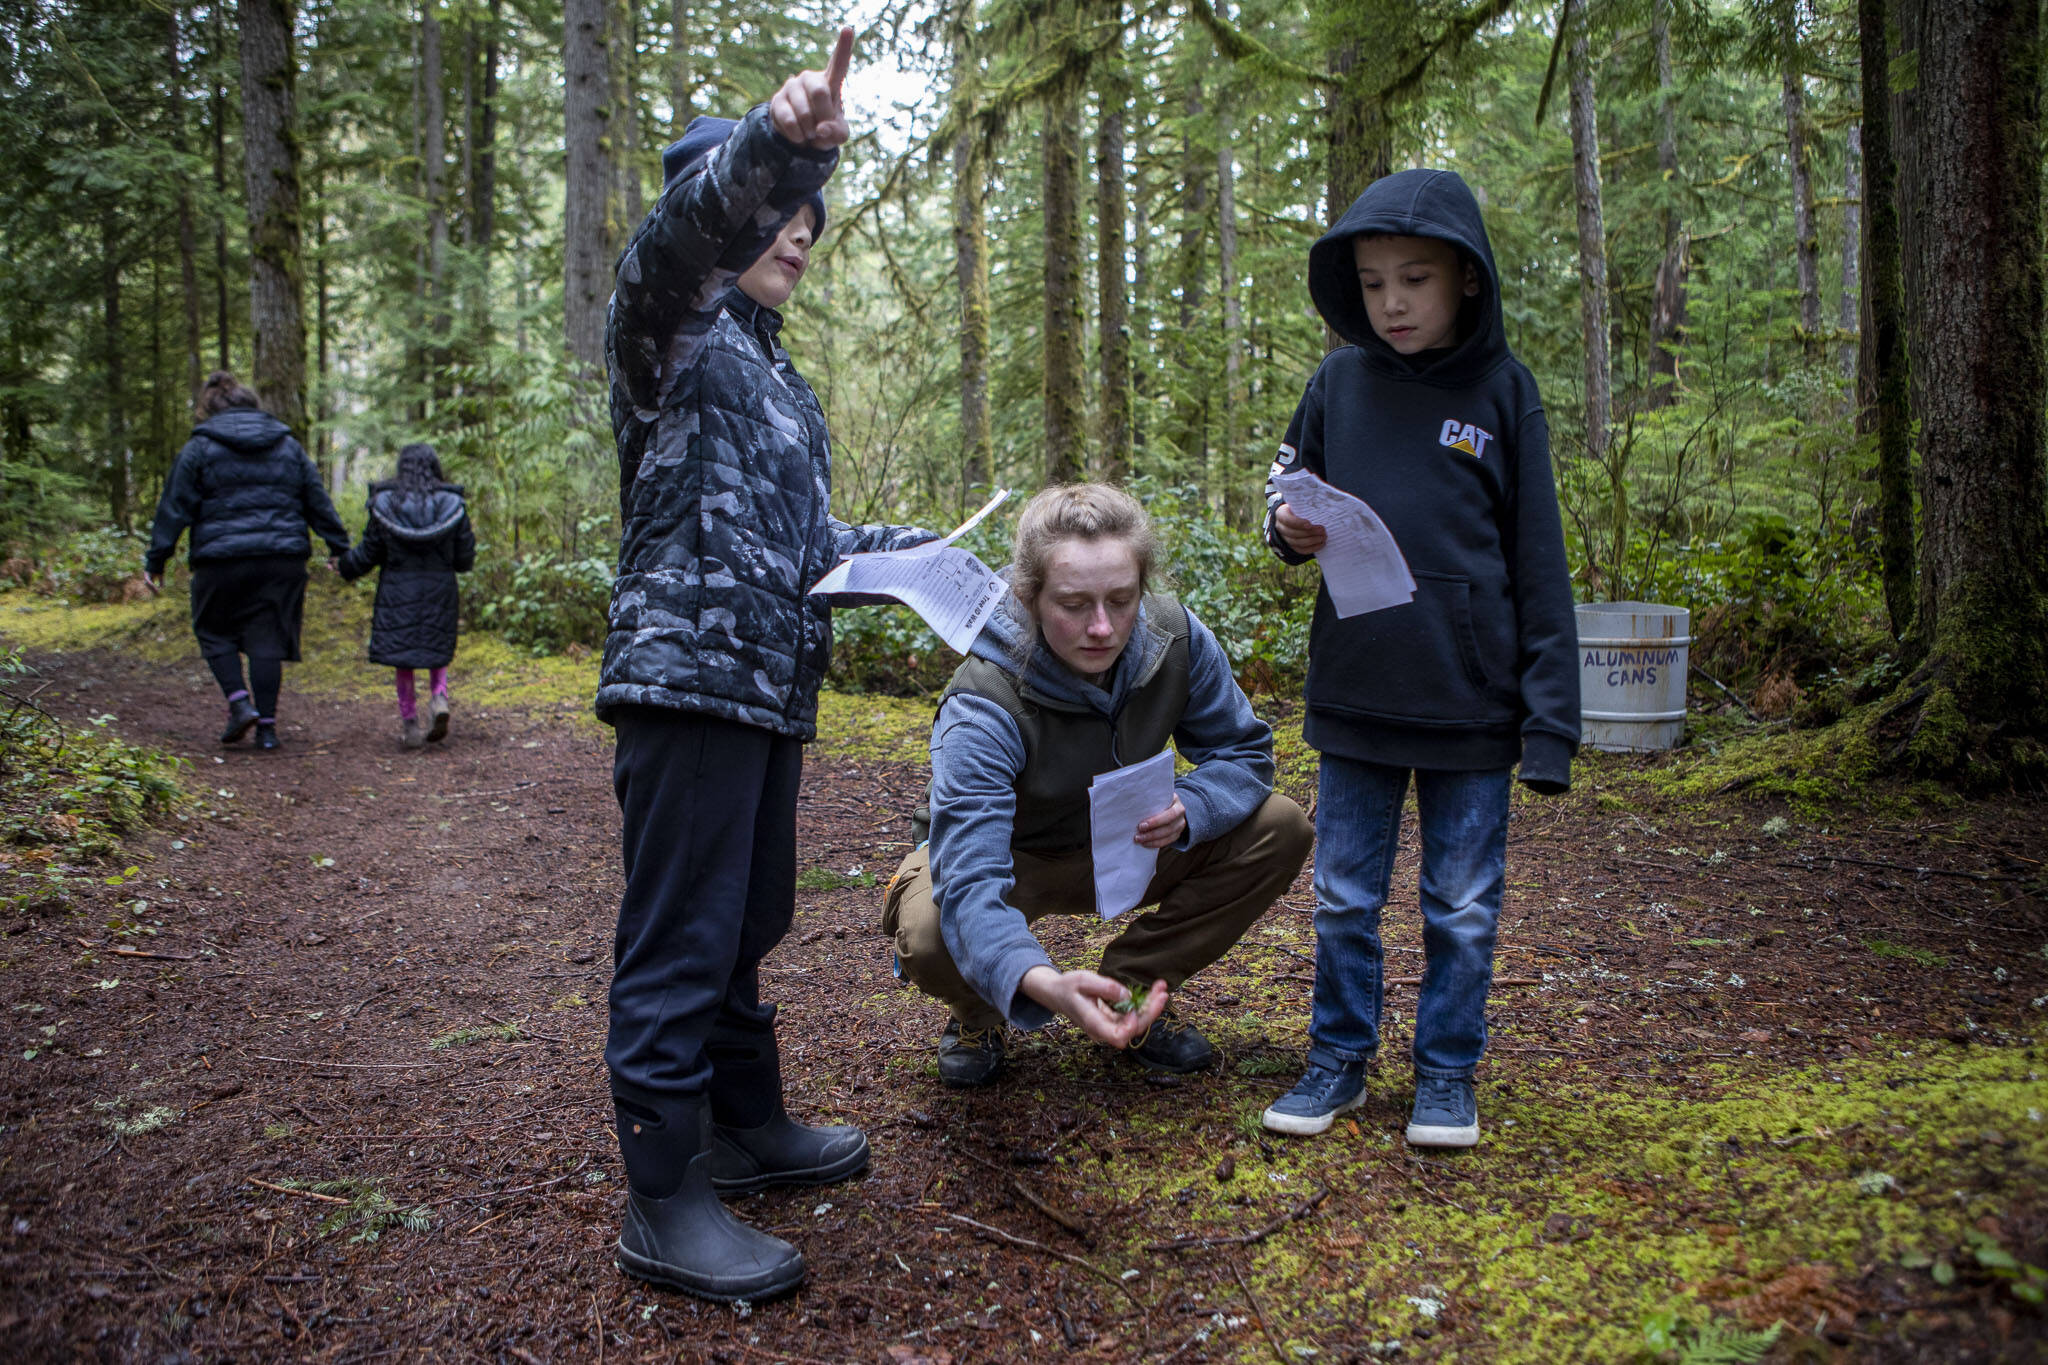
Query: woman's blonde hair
(1077, 511)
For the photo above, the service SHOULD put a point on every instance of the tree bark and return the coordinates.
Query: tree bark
(1112, 288)
(218, 105)
(188, 238)
(1667, 303)
(270, 152)
(1065, 409)
(1883, 349)
(483, 190)
(1806, 246)
(1236, 482)
(114, 392)
(1852, 240)
(1142, 367)
(681, 82)
(591, 183)
(970, 261)
(1977, 350)
(1592, 238)
(623, 48)
(1191, 393)
(434, 189)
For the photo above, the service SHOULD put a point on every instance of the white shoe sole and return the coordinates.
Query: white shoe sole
(1308, 1125)
(1437, 1135)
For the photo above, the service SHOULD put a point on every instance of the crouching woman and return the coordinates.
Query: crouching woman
(1079, 672)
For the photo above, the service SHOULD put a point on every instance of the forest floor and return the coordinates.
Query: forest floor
(322, 1078)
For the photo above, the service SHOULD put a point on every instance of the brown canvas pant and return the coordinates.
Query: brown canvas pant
(1207, 897)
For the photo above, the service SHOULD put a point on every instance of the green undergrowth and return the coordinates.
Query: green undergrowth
(1637, 1221)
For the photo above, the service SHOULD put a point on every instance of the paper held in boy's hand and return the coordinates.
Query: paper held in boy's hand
(1362, 566)
(953, 591)
(1118, 801)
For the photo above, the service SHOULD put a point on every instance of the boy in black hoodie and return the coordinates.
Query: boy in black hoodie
(1430, 419)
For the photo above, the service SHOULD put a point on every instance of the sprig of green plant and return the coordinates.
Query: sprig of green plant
(463, 1037)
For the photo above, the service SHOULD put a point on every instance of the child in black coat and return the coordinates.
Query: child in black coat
(419, 534)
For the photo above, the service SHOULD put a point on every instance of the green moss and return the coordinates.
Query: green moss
(1941, 738)
(869, 726)
(1884, 947)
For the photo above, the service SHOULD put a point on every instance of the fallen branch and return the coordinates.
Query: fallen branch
(125, 951)
(1014, 1240)
(303, 1194)
(1904, 867)
(346, 1066)
(1258, 1310)
(1066, 1220)
(1259, 1234)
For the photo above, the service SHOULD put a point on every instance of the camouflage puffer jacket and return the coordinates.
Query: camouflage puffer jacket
(724, 467)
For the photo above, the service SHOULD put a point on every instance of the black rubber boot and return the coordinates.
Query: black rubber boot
(241, 715)
(266, 734)
(756, 1144)
(676, 1232)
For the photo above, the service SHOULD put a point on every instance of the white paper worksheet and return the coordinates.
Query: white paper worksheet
(1362, 566)
(1117, 801)
(953, 591)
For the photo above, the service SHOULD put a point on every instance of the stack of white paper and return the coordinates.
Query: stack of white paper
(953, 591)
(1362, 565)
(1117, 801)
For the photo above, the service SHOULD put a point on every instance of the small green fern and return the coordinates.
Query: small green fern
(1713, 1343)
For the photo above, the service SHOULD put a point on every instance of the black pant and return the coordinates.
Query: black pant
(710, 853)
(266, 678)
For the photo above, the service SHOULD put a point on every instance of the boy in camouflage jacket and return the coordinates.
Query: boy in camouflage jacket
(710, 678)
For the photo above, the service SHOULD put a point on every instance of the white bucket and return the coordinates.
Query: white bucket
(1632, 664)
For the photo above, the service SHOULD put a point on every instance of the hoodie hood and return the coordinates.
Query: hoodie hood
(1010, 636)
(1425, 203)
(705, 135)
(246, 431)
(417, 516)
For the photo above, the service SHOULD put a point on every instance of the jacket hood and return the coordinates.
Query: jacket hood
(246, 431)
(415, 515)
(1010, 636)
(1412, 204)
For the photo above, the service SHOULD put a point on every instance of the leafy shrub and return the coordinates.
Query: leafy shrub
(551, 602)
(74, 791)
(1258, 607)
(94, 566)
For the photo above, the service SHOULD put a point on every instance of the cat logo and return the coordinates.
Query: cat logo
(1464, 436)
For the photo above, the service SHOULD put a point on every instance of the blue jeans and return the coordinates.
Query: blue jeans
(1464, 860)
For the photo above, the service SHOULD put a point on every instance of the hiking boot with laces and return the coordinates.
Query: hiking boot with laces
(970, 1056)
(1170, 1045)
(1446, 1113)
(1322, 1093)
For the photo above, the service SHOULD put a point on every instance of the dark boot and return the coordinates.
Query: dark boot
(241, 715)
(266, 734)
(676, 1232)
(755, 1143)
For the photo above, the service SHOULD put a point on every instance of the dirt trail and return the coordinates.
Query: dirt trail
(382, 974)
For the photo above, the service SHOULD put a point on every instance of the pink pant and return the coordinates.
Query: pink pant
(408, 707)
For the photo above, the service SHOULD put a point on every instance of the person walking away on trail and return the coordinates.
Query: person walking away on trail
(1428, 417)
(418, 536)
(247, 491)
(710, 678)
(1079, 672)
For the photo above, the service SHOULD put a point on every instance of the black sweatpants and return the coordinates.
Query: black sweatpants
(710, 852)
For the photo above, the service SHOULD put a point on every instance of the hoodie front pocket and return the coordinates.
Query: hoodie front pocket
(1419, 661)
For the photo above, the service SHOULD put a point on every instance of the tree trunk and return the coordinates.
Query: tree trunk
(1977, 351)
(1112, 288)
(623, 47)
(434, 189)
(1806, 248)
(1852, 239)
(270, 152)
(1191, 393)
(1142, 367)
(113, 380)
(1667, 303)
(681, 82)
(1066, 429)
(483, 190)
(1236, 482)
(219, 109)
(591, 182)
(323, 435)
(970, 261)
(188, 238)
(1361, 145)
(1883, 349)
(1592, 239)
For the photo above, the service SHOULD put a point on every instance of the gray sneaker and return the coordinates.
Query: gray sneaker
(409, 732)
(970, 1056)
(1318, 1097)
(1446, 1113)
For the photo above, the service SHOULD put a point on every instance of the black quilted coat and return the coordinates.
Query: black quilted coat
(245, 488)
(421, 540)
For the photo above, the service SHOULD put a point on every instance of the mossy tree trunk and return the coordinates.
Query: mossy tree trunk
(1112, 287)
(970, 260)
(1667, 302)
(1592, 237)
(1882, 352)
(1066, 427)
(270, 151)
(1977, 353)
(591, 183)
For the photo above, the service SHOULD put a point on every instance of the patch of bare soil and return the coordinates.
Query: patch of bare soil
(347, 1101)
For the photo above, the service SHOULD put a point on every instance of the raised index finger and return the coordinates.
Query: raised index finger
(842, 57)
